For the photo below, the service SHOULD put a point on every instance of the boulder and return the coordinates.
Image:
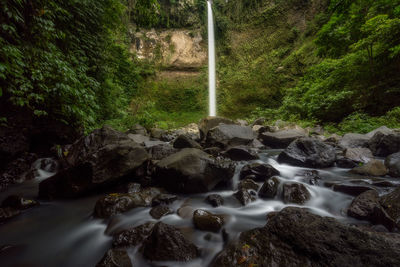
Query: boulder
(345, 163)
(280, 139)
(308, 152)
(192, 171)
(391, 203)
(382, 129)
(182, 141)
(248, 184)
(164, 199)
(105, 156)
(383, 145)
(115, 258)
(295, 193)
(166, 243)
(359, 154)
(239, 153)
(113, 204)
(17, 171)
(206, 221)
(160, 211)
(392, 163)
(296, 237)
(225, 135)
(137, 129)
(215, 200)
(259, 121)
(258, 171)
(133, 236)
(208, 123)
(373, 167)
(245, 196)
(269, 189)
(352, 140)
(161, 151)
(138, 138)
(366, 207)
(353, 190)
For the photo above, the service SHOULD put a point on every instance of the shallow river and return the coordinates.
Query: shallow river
(64, 233)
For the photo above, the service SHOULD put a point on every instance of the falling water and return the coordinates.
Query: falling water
(211, 61)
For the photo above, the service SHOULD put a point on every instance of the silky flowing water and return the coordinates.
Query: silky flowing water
(211, 61)
(64, 233)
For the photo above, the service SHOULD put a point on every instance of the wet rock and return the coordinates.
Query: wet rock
(391, 203)
(206, 221)
(296, 237)
(138, 138)
(225, 135)
(310, 176)
(17, 171)
(280, 139)
(239, 153)
(245, 196)
(269, 189)
(366, 207)
(382, 145)
(295, 193)
(166, 243)
(137, 129)
(345, 163)
(164, 199)
(112, 204)
(259, 171)
(192, 171)
(373, 167)
(185, 212)
(161, 151)
(103, 157)
(208, 123)
(115, 258)
(352, 140)
(148, 194)
(133, 188)
(132, 237)
(18, 202)
(182, 141)
(160, 211)
(359, 154)
(353, 190)
(248, 184)
(7, 213)
(308, 152)
(215, 200)
(392, 163)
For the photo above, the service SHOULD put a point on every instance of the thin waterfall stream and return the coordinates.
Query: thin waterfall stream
(211, 61)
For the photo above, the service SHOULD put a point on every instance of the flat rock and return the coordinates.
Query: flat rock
(239, 153)
(280, 139)
(352, 140)
(229, 135)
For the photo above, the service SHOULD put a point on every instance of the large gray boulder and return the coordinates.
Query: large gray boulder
(359, 154)
(225, 135)
(103, 157)
(192, 171)
(296, 237)
(308, 152)
(280, 139)
(352, 140)
(383, 145)
(208, 123)
(373, 167)
(392, 162)
(382, 129)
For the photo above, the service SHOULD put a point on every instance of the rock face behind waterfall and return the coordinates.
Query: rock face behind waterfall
(308, 152)
(192, 171)
(295, 237)
(102, 157)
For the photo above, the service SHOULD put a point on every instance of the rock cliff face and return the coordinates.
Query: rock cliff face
(177, 49)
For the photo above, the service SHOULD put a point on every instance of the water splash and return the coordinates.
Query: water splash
(211, 61)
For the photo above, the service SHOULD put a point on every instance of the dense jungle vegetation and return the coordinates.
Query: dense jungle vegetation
(334, 62)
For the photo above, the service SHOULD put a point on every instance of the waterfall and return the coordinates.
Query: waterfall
(211, 62)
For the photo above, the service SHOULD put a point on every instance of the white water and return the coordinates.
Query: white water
(211, 62)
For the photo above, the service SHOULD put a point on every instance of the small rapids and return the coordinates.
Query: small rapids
(64, 233)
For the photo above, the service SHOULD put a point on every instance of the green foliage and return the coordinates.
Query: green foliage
(66, 59)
